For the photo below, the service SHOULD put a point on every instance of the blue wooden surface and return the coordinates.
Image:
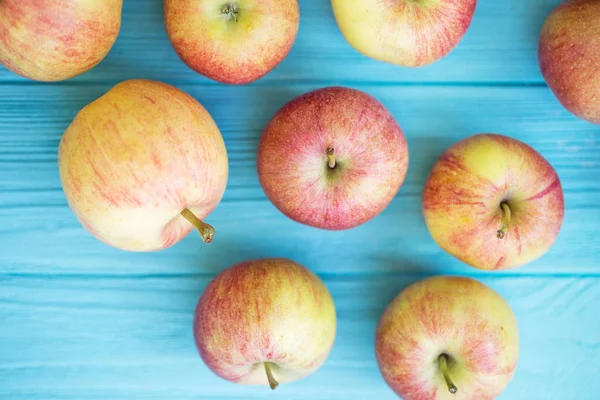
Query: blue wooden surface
(80, 320)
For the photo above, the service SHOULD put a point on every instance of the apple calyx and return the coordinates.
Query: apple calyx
(272, 381)
(230, 11)
(501, 233)
(206, 231)
(330, 157)
(443, 363)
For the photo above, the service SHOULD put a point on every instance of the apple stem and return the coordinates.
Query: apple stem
(507, 214)
(206, 231)
(272, 381)
(230, 11)
(443, 361)
(330, 157)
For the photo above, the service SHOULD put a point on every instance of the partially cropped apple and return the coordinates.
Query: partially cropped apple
(232, 41)
(410, 33)
(142, 165)
(54, 40)
(569, 55)
(447, 338)
(493, 202)
(333, 158)
(265, 322)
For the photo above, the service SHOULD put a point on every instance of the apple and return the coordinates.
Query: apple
(569, 56)
(332, 158)
(447, 338)
(265, 322)
(54, 40)
(410, 33)
(142, 165)
(493, 202)
(232, 41)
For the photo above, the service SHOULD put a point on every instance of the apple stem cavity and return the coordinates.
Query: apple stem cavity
(230, 11)
(330, 157)
(206, 231)
(272, 381)
(507, 214)
(443, 362)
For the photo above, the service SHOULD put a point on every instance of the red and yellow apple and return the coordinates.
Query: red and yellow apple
(493, 202)
(142, 165)
(232, 41)
(333, 158)
(265, 322)
(569, 56)
(447, 338)
(54, 40)
(410, 33)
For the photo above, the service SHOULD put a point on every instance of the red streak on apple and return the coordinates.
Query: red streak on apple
(458, 318)
(128, 171)
(234, 49)
(369, 148)
(52, 40)
(270, 310)
(463, 197)
(569, 56)
(410, 33)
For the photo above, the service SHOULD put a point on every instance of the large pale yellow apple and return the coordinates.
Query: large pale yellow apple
(493, 202)
(265, 322)
(142, 165)
(54, 40)
(409, 33)
(232, 41)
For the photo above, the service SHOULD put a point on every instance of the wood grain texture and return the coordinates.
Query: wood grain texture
(82, 321)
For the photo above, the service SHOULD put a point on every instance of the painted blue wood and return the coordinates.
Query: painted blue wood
(79, 320)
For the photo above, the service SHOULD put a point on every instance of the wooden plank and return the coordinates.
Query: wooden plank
(500, 46)
(34, 214)
(130, 338)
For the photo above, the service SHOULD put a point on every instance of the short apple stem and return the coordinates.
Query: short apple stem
(443, 361)
(500, 234)
(230, 11)
(272, 381)
(330, 157)
(206, 231)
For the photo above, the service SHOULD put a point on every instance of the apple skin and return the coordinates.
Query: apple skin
(463, 196)
(569, 57)
(238, 50)
(132, 160)
(370, 149)
(409, 33)
(54, 40)
(269, 310)
(459, 317)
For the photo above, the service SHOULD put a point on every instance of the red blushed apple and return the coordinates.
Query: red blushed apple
(333, 158)
(569, 55)
(447, 338)
(54, 40)
(493, 202)
(142, 165)
(265, 322)
(232, 41)
(410, 33)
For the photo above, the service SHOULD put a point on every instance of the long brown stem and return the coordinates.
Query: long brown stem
(330, 157)
(443, 362)
(272, 381)
(500, 234)
(206, 231)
